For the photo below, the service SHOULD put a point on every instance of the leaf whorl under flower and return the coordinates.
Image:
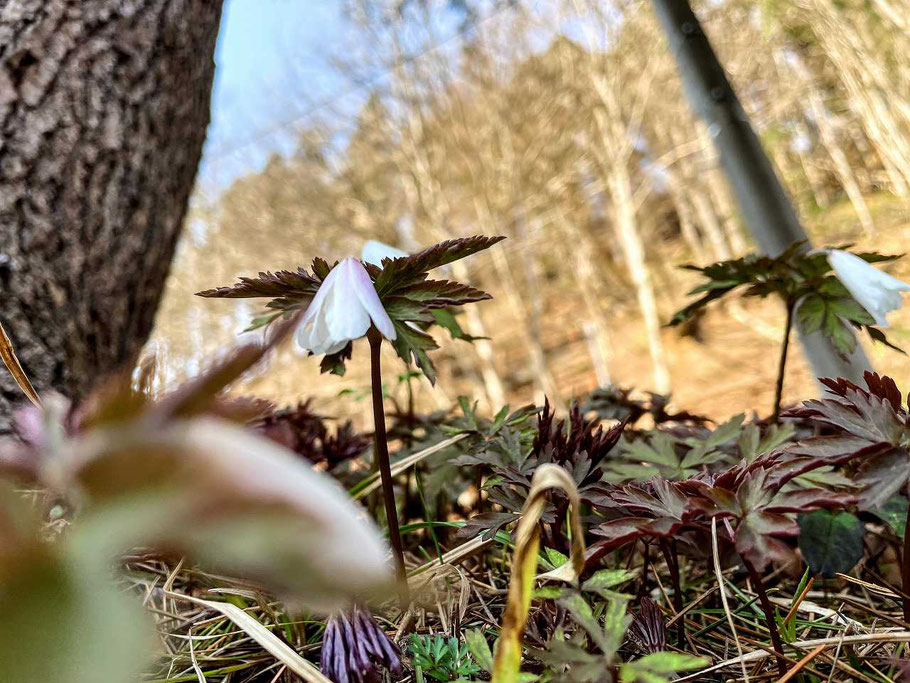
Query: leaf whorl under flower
(403, 287)
(803, 279)
(409, 270)
(280, 284)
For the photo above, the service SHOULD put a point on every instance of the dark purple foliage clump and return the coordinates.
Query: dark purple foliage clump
(305, 432)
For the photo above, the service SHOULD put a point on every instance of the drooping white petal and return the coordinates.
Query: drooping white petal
(874, 290)
(373, 252)
(369, 299)
(345, 317)
(312, 334)
(342, 310)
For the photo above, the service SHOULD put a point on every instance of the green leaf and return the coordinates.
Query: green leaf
(406, 271)
(412, 345)
(335, 363)
(445, 317)
(840, 334)
(894, 512)
(433, 294)
(879, 336)
(604, 638)
(727, 431)
(605, 579)
(659, 666)
(850, 309)
(831, 542)
(811, 314)
(62, 620)
(554, 558)
(479, 649)
(296, 285)
(549, 592)
(263, 320)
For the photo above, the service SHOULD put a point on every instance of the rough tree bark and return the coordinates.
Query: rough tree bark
(104, 106)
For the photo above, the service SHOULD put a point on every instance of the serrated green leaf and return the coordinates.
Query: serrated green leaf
(811, 314)
(725, 432)
(412, 345)
(851, 310)
(606, 579)
(659, 667)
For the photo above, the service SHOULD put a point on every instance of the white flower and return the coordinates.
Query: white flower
(877, 292)
(373, 252)
(342, 310)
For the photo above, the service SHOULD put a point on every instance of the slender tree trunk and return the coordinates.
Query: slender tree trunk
(634, 251)
(828, 137)
(841, 163)
(878, 118)
(678, 189)
(581, 250)
(815, 176)
(492, 383)
(103, 109)
(544, 385)
(612, 153)
(704, 209)
(719, 192)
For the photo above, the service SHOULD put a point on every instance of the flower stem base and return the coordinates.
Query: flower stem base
(385, 469)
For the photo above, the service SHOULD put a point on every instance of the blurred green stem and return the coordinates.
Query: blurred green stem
(385, 469)
(782, 364)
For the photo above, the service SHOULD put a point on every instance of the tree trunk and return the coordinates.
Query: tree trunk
(634, 252)
(579, 250)
(841, 163)
(103, 106)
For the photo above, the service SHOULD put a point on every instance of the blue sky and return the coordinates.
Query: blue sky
(271, 67)
(273, 71)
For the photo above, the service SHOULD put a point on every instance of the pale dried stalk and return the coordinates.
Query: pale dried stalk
(723, 597)
(406, 463)
(8, 355)
(507, 661)
(884, 637)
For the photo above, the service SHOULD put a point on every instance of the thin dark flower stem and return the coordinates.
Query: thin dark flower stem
(645, 561)
(385, 468)
(782, 364)
(672, 559)
(905, 570)
(769, 616)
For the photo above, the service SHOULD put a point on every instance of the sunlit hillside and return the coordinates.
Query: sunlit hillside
(556, 130)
